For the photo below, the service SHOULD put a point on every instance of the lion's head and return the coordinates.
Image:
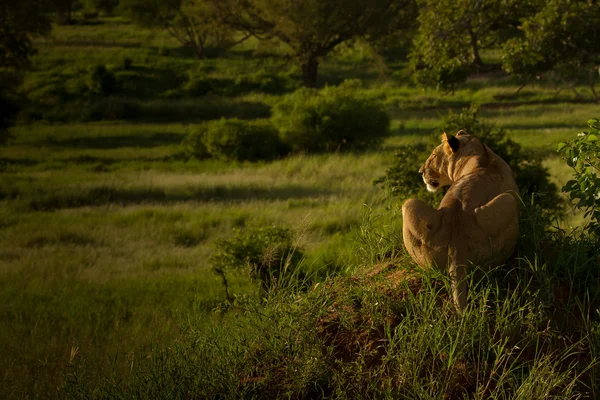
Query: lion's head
(438, 168)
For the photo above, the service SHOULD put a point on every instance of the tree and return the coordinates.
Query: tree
(106, 6)
(193, 23)
(64, 10)
(563, 37)
(452, 33)
(20, 20)
(313, 28)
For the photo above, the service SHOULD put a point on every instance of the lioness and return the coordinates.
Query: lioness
(477, 220)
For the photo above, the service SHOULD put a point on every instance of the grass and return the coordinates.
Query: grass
(106, 231)
(390, 331)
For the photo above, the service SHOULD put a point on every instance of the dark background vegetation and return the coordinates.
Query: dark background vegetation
(200, 198)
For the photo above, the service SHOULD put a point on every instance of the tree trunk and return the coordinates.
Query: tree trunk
(198, 51)
(310, 68)
(63, 14)
(475, 57)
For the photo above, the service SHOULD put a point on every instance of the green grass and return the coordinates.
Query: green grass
(106, 229)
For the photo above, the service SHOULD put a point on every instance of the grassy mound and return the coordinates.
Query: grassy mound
(530, 331)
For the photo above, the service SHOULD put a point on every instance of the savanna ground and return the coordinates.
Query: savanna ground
(106, 229)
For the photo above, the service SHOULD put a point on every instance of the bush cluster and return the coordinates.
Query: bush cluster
(308, 120)
(264, 253)
(234, 140)
(102, 81)
(260, 81)
(331, 119)
(582, 154)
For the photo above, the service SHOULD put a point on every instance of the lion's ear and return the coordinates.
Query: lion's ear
(451, 143)
(462, 133)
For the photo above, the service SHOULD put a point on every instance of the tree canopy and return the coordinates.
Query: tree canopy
(563, 36)
(194, 23)
(313, 28)
(452, 33)
(20, 20)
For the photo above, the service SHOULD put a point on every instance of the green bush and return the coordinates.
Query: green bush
(102, 81)
(582, 154)
(263, 253)
(234, 139)
(330, 119)
(403, 178)
(260, 82)
(113, 108)
(127, 63)
(201, 86)
(90, 14)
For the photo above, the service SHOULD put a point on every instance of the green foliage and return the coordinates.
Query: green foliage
(313, 28)
(330, 119)
(102, 81)
(560, 37)
(19, 21)
(403, 178)
(523, 336)
(451, 35)
(149, 13)
(533, 179)
(106, 6)
(263, 253)
(90, 14)
(196, 24)
(64, 10)
(257, 82)
(234, 139)
(582, 154)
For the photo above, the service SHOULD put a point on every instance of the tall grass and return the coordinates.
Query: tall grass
(391, 331)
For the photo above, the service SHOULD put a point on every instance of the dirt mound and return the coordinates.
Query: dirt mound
(352, 328)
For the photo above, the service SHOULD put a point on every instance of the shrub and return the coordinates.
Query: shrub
(403, 178)
(90, 14)
(234, 139)
(113, 108)
(263, 253)
(260, 81)
(102, 81)
(330, 119)
(582, 154)
(127, 108)
(106, 6)
(197, 86)
(127, 63)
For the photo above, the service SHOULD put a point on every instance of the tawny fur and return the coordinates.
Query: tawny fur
(477, 220)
